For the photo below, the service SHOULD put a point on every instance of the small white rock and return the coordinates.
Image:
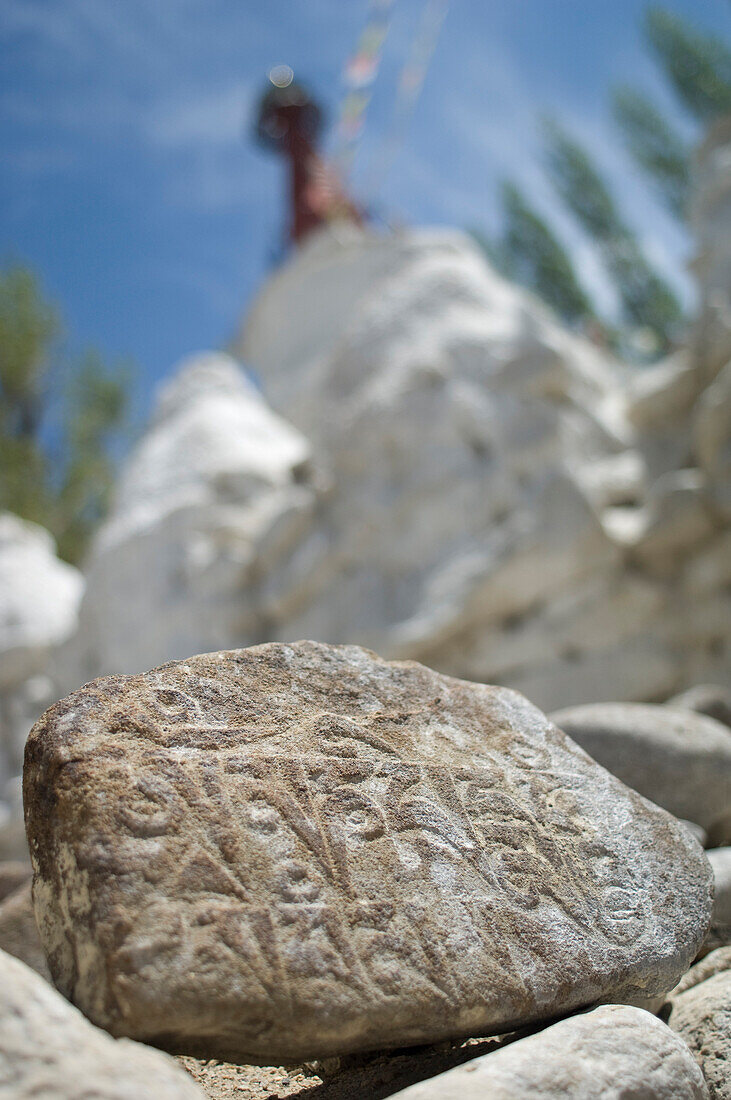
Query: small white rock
(611, 1053)
(48, 1051)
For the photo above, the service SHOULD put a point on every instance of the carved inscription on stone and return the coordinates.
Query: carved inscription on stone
(291, 851)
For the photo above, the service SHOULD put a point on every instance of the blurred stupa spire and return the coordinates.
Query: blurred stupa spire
(289, 122)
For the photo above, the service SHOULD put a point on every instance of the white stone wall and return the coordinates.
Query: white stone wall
(440, 471)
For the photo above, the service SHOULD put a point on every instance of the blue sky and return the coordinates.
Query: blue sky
(128, 186)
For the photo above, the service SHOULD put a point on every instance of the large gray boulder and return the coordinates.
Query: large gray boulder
(612, 1053)
(48, 1051)
(295, 851)
(677, 758)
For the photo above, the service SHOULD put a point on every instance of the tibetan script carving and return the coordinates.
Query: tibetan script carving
(297, 850)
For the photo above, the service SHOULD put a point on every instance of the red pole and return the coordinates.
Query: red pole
(288, 123)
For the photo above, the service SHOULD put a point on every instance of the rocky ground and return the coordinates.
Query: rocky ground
(350, 1078)
(306, 871)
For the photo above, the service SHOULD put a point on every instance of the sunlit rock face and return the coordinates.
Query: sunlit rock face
(39, 599)
(471, 441)
(434, 467)
(215, 491)
(508, 503)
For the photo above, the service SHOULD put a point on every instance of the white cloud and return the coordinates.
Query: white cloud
(212, 117)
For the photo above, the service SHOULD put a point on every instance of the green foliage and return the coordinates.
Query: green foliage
(580, 185)
(491, 249)
(28, 326)
(59, 419)
(647, 301)
(656, 147)
(697, 65)
(532, 255)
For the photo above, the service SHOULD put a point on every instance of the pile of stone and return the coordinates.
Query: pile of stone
(439, 470)
(372, 876)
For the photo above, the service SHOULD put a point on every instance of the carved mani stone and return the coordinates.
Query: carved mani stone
(293, 851)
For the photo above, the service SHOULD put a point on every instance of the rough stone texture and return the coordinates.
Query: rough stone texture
(702, 1017)
(299, 850)
(611, 1053)
(677, 758)
(19, 932)
(718, 960)
(48, 1051)
(39, 598)
(711, 699)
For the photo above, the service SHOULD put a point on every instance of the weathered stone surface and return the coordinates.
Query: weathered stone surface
(19, 932)
(718, 960)
(613, 1053)
(702, 1017)
(298, 850)
(677, 758)
(48, 1051)
(711, 699)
